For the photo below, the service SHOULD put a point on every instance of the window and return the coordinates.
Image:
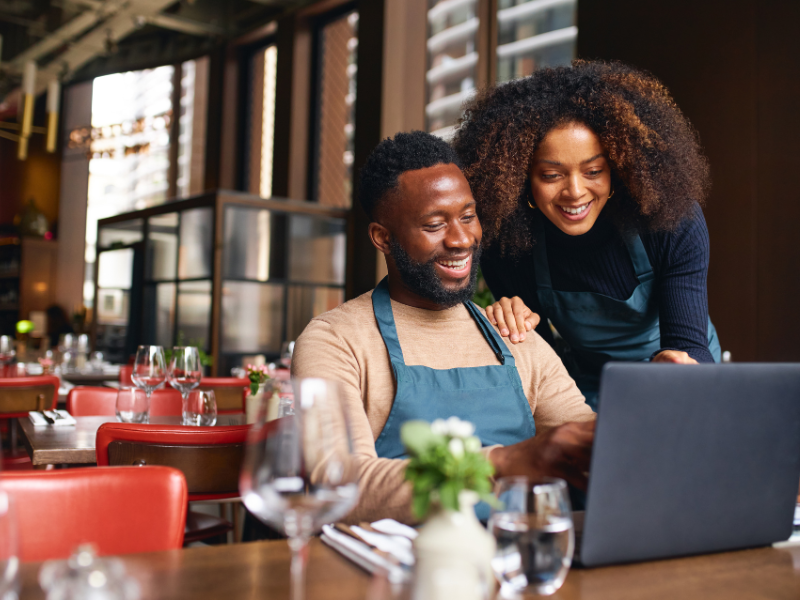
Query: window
(332, 161)
(532, 34)
(452, 61)
(261, 119)
(529, 34)
(140, 156)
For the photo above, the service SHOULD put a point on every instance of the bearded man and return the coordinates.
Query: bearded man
(416, 347)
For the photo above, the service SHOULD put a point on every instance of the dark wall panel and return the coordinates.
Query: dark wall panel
(732, 67)
(778, 181)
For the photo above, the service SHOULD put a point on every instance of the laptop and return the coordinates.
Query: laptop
(690, 459)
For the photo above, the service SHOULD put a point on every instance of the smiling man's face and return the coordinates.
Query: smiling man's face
(434, 237)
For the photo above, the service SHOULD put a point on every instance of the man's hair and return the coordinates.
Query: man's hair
(393, 157)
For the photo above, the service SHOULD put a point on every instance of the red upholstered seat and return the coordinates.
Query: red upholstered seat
(118, 509)
(85, 401)
(125, 372)
(210, 458)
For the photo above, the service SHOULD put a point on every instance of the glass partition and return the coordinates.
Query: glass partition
(282, 263)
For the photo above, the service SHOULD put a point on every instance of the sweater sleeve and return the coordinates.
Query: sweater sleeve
(384, 493)
(682, 291)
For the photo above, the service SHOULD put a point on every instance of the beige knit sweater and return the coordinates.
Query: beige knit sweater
(345, 345)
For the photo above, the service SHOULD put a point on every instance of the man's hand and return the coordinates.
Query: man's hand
(563, 451)
(512, 318)
(674, 356)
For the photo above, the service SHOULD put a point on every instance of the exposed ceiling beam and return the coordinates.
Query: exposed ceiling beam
(95, 43)
(76, 26)
(189, 26)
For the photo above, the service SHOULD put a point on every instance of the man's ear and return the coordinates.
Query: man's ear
(380, 237)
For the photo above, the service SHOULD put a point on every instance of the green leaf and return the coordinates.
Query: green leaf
(448, 494)
(420, 505)
(418, 438)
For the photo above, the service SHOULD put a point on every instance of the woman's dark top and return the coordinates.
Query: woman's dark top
(598, 262)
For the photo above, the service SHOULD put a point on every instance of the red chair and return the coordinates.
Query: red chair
(85, 401)
(119, 509)
(209, 457)
(229, 392)
(18, 396)
(125, 372)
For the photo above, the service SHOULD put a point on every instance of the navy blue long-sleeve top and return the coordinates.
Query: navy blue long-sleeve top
(598, 262)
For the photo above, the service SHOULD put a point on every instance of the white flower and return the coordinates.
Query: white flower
(456, 447)
(439, 427)
(460, 429)
(472, 444)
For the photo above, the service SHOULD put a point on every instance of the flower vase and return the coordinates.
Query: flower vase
(268, 395)
(453, 555)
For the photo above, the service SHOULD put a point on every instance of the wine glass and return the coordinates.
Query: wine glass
(149, 371)
(200, 408)
(9, 555)
(299, 472)
(534, 533)
(185, 373)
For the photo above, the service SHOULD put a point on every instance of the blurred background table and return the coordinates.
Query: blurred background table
(261, 570)
(76, 445)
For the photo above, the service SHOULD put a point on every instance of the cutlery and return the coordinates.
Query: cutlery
(56, 415)
(341, 527)
(49, 420)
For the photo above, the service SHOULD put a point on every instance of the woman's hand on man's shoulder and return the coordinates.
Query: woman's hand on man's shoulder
(512, 317)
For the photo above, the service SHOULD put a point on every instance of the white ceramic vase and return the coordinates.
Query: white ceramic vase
(453, 555)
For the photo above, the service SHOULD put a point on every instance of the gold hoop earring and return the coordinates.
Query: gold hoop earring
(531, 205)
(611, 194)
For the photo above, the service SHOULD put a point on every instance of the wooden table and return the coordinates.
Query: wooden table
(261, 570)
(76, 445)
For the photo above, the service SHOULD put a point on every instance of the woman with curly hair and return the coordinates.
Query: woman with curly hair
(589, 182)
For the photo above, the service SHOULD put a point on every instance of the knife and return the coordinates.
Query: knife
(46, 418)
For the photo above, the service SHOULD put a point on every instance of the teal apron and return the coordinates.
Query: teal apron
(490, 397)
(597, 328)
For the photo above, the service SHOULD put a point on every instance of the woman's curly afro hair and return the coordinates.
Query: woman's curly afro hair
(658, 170)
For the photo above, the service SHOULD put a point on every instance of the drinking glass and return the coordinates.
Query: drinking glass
(200, 408)
(133, 405)
(534, 533)
(149, 371)
(7, 351)
(9, 556)
(299, 472)
(185, 373)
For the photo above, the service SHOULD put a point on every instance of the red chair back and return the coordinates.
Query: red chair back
(19, 395)
(85, 401)
(209, 457)
(118, 509)
(125, 372)
(229, 392)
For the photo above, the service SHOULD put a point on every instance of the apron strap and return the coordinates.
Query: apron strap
(382, 307)
(639, 259)
(496, 343)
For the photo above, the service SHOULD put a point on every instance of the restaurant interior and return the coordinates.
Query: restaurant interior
(182, 177)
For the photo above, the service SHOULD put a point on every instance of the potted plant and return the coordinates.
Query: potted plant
(449, 474)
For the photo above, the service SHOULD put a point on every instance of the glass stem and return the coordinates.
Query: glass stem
(299, 548)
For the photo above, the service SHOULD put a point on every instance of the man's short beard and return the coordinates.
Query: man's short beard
(422, 279)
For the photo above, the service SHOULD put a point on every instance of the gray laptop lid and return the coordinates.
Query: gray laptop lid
(690, 459)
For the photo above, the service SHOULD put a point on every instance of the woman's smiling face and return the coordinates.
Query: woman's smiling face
(571, 178)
